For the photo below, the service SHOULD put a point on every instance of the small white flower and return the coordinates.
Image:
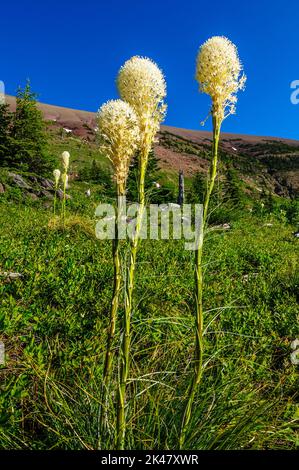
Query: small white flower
(56, 174)
(65, 156)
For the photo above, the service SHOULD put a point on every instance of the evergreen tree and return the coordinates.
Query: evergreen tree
(96, 173)
(154, 194)
(6, 119)
(197, 189)
(234, 194)
(30, 141)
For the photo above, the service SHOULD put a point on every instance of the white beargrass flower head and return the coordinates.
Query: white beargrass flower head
(65, 156)
(219, 73)
(56, 174)
(142, 84)
(119, 133)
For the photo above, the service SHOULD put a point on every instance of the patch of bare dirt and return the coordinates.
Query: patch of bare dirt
(174, 161)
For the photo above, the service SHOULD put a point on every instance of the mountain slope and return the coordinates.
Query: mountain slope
(268, 163)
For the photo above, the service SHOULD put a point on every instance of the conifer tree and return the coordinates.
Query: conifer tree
(154, 194)
(6, 118)
(30, 142)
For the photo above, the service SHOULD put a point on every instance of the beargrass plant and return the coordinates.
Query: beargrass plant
(141, 84)
(56, 174)
(119, 130)
(65, 157)
(219, 74)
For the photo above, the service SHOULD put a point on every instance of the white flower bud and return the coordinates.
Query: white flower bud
(56, 174)
(65, 156)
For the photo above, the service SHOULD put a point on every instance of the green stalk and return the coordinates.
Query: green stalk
(198, 275)
(55, 199)
(113, 313)
(126, 339)
(64, 199)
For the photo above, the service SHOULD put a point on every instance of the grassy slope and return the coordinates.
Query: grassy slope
(53, 321)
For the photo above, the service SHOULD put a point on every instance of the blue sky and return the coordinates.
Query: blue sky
(72, 51)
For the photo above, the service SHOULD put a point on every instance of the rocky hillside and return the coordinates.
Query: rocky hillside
(262, 163)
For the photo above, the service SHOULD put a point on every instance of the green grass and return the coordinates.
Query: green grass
(54, 318)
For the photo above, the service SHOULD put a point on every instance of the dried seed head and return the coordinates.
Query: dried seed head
(219, 73)
(119, 132)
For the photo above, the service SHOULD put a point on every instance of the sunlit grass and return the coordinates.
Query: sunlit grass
(55, 320)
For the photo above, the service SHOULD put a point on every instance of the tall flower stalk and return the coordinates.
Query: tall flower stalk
(219, 73)
(65, 157)
(119, 130)
(141, 84)
(56, 174)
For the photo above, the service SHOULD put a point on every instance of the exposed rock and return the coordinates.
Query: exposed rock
(32, 196)
(11, 276)
(41, 187)
(2, 188)
(47, 184)
(221, 227)
(279, 190)
(45, 193)
(33, 179)
(44, 182)
(19, 181)
(60, 195)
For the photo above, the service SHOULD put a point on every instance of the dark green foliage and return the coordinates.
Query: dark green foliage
(270, 147)
(30, 147)
(234, 193)
(96, 173)
(181, 145)
(24, 139)
(228, 197)
(197, 189)
(155, 195)
(285, 210)
(6, 120)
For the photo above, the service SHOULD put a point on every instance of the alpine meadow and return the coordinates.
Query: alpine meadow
(119, 331)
